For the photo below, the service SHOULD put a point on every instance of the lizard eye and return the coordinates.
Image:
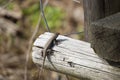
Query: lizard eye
(57, 42)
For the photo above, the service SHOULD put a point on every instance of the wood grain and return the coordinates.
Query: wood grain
(75, 58)
(97, 9)
(105, 37)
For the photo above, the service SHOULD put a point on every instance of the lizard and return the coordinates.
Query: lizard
(48, 46)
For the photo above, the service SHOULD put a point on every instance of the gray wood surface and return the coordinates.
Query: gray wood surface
(75, 58)
(93, 10)
(105, 37)
(97, 9)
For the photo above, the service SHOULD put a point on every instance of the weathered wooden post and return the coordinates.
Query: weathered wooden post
(103, 34)
(105, 38)
(75, 58)
(93, 10)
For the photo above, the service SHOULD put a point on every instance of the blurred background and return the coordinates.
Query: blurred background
(18, 20)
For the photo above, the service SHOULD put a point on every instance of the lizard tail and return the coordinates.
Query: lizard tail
(42, 69)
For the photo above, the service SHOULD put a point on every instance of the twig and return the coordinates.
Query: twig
(43, 15)
(30, 44)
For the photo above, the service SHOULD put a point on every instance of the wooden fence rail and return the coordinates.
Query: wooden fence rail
(75, 58)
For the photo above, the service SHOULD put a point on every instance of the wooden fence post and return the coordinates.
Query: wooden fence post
(105, 38)
(97, 9)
